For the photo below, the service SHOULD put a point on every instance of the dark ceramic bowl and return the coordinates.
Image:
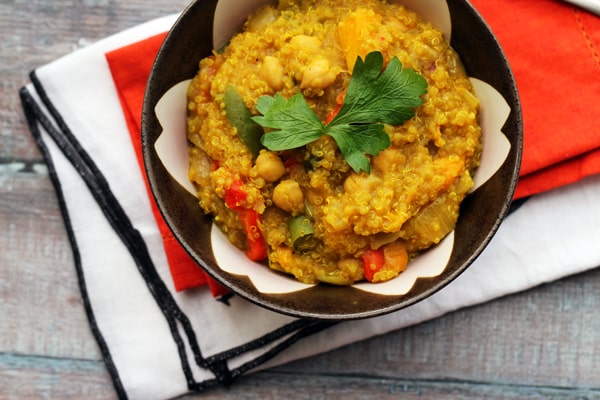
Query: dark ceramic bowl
(192, 38)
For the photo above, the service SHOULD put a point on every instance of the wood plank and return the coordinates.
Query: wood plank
(548, 336)
(304, 387)
(27, 378)
(35, 33)
(39, 296)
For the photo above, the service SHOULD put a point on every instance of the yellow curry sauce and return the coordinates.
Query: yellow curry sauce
(305, 209)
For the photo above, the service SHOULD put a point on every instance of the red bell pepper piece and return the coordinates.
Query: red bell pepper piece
(257, 245)
(373, 262)
(340, 101)
(250, 219)
(332, 114)
(235, 195)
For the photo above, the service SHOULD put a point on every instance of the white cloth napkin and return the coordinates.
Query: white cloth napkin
(158, 343)
(590, 5)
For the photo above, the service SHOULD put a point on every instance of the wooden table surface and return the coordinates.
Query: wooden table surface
(544, 343)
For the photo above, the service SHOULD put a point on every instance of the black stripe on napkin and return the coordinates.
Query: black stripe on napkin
(117, 217)
(34, 116)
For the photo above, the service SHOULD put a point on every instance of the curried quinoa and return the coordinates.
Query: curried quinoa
(305, 211)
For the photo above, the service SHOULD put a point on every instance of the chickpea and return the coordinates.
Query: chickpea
(271, 71)
(269, 166)
(390, 159)
(318, 75)
(288, 196)
(357, 183)
(308, 44)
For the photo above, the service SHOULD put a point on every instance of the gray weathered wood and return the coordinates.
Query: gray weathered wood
(310, 387)
(543, 337)
(37, 270)
(27, 377)
(544, 343)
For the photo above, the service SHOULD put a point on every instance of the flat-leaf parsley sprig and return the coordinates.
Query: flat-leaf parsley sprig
(374, 97)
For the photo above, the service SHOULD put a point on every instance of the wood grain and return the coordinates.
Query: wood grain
(544, 343)
(27, 377)
(309, 387)
(38, 274)
(542, 337)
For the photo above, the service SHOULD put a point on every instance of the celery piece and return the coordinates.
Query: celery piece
(240, 117)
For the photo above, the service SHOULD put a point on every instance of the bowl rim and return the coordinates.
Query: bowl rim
(423, 287)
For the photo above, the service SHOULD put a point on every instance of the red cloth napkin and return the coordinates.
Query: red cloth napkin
(554, 51)
(130, 67)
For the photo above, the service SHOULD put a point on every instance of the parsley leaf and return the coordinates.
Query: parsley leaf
(295, 122)
(375, 96)
(355, 140)
(381, 97)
